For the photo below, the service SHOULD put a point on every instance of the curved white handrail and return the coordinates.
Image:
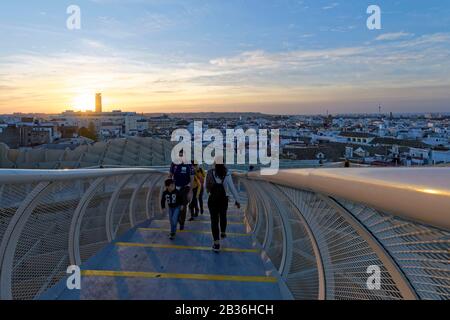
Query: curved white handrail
(418, 194)
(26, 176)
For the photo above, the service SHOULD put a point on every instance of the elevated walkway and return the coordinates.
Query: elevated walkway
(146, 264)
(304, 234)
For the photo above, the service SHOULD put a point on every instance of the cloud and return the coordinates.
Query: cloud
(331, 6)
(413, 62)
(156, 22)
(394, 36)
(137, 78)
(94, 44)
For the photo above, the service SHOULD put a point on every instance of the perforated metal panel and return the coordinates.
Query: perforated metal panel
(303, 272)
(139, 208)
(320, 245)
(41, 256)
(58, 222)
(346, 255)
(290, 246)
(261, 211)
(422, 252)
(120, 214)
(155, 198)
(11, 197)
(251, 207)
(275, 244)
(93, 236)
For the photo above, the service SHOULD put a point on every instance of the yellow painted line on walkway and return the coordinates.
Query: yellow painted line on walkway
(208, 221)
(155, 275)
(228, 215)
(170, 246)
(196, 231)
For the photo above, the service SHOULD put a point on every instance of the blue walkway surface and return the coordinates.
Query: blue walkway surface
(146, 264)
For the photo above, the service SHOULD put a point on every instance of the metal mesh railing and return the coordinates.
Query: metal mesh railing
(348, 255)
(322, 246)
(155, 198)
(41, 255)
(332, 244)
(140, 205)
(120, 214)
(11, 197)
(93, 235)
(289, 247)
(50, 223)
(270, 227)
(422, 252)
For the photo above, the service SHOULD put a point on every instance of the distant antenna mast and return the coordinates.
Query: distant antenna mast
(379, 109)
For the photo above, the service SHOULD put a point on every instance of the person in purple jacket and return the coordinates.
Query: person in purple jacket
(183, 175)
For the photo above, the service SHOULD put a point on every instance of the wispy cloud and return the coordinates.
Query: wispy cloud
(330, 6)
(394, 36)
(149, 79)
(147, 53)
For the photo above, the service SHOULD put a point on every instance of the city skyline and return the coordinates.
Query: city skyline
(276, 57)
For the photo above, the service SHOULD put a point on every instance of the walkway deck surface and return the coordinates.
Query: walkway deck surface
(146, 265)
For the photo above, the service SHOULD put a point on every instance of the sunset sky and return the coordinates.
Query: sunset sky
(272, 56)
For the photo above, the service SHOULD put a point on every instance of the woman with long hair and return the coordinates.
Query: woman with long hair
(219, 184)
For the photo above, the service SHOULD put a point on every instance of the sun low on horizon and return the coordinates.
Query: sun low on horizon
(83, 102)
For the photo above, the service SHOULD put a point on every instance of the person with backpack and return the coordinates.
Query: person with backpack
(183, 175)
(218, 185)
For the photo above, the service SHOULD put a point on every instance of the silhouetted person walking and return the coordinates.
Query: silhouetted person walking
(218, 184)
(347, 164)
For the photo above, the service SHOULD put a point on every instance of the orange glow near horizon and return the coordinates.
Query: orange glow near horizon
(57, 96)
(83, 102)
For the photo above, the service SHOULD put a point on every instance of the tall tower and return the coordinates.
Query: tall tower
(98, 103)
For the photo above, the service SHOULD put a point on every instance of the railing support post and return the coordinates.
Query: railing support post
(315, 247)
(153, 181)
(112, 203)
(74, 233)
(133, 199)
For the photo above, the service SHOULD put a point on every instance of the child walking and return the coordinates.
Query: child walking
(173, 198)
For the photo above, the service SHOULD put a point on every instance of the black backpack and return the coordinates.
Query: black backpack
(218, 193)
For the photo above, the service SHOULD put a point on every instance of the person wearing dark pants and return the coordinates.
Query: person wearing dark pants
(197, 199)
(200, 199)
(193, 206)
(184, 191)
(218, 214)
(218, 183)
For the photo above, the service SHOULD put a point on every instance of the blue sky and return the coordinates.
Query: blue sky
(283, 56)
